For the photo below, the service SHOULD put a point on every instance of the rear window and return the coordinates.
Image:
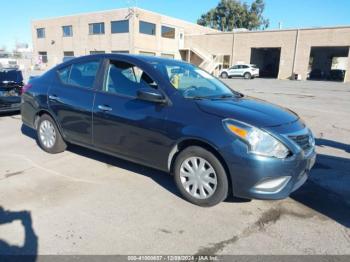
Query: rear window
(80, 74)
(11, 76)
(64, 74)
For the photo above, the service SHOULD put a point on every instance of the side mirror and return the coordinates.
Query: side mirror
(150, 95)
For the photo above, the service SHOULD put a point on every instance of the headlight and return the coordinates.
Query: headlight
(259, 142)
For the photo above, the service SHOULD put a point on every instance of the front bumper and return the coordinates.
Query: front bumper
(10, 104)
(257, 177)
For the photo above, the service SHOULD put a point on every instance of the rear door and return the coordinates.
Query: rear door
(71, 99)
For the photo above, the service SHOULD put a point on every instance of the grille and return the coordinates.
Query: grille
(5, 105)
(304, 141)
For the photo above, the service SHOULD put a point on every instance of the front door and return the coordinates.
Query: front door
(71, 100)
(126, 126)
(234, 71)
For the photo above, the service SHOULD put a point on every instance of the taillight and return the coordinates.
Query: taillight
(26, 88)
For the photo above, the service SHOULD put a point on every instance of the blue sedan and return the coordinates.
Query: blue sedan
(175, 117)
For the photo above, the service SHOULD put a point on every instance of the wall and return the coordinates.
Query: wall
(157, 43)
(316, 38)
(295, 46)
(81, 43)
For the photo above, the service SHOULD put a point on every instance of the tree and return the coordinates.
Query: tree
(231, 14)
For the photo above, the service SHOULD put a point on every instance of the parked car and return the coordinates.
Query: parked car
(337, 75)
(175, 117)
(9, 63)
(11, 84)
(244, 70)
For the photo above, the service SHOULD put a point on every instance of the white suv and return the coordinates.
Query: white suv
(243, 70)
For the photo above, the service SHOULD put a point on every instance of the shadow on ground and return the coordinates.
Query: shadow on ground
(328, 188)
(326, 191)
(161, 178)
(330, 143)
(29, 250)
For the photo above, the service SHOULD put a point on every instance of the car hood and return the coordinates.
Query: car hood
(249, 110)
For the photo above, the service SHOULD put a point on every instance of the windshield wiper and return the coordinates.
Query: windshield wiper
(196, 97)
(225, 96)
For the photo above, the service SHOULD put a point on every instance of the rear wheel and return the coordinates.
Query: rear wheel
(49, 137)
(200, 177)
(224, 75)
(247, 76)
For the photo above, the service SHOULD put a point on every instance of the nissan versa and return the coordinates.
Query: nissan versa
(172, 116)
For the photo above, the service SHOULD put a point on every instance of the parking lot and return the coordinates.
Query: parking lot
(83, 202)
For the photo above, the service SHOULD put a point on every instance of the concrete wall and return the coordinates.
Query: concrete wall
(82, 43)
(319, 38)
(295, 46)
(157, 43)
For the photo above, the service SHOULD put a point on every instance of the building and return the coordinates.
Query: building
(123, 30)
(283, 54)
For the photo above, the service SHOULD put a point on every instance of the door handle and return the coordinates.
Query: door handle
(104, 108)
(54, 98)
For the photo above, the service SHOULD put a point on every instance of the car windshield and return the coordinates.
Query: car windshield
(11, 76)
(193, 82)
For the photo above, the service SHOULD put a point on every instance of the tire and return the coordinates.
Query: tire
(224, 75)
(219, 191)
(247, 75)
(47, 127)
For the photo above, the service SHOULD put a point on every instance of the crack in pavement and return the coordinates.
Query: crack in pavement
(341, 128)
(268, 218)
(53, 172)
(8, 175)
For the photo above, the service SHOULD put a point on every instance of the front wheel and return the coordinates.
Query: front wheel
(49, 137)
(200, 177)
(224, 75)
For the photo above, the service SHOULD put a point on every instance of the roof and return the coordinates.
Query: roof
(282, 30)
(126, 9)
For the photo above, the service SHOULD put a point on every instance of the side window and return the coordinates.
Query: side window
(63, 74)
(235, 67)
(84, 74)
(125, 79)
(245, 66)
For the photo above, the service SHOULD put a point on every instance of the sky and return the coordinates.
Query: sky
(16, 15)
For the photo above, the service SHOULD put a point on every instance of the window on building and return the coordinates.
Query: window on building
(167, 55)
(147, 53)
(147, 28)
(97, 29)
(43, 57)
(67, 31)
(121, 52)
(168, 32)
(97, 52)
(40, 32)
(84, 74)
(68, 55)
(125, 79)
(118, 27)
